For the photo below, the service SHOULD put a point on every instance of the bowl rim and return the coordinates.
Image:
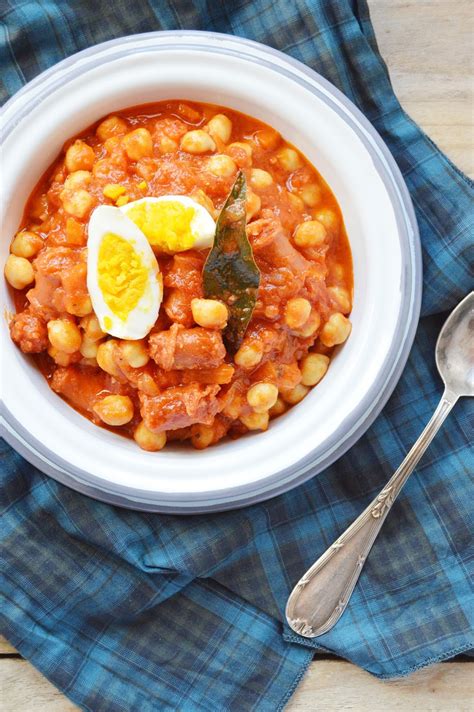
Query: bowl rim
(375, 398)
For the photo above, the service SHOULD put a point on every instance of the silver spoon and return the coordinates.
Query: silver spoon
(320, 598)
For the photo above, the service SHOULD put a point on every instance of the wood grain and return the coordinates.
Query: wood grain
(328, 686)
(335, 685)
(5, 647)
(427, 45)
(24, 689)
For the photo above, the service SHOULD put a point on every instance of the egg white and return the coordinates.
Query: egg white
(107, 219)
(202, 224)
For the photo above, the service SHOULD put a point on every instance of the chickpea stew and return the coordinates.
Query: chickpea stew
(107, 275)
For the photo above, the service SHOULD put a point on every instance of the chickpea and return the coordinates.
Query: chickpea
(209, 313)
(79, 157)
(197, 141)
(262, 396)
(271, 311)
(64, 335)
(336, 330)
(91, 362)
(220, 126)
(296, 201)
(267, 138)
(296, 394)
(167, 145)
(111, 144)
(60, 357)
(297, 312)
(78, 179)
(148, 440)
(146, 168)
(255, 421)
(106, 358)
(337, 272)
(202, 436)
(311, 233)
(91, 326)
(78, 204)
(203, 199)
(19, 272)
(242, 146)
(313, 368)
(233, 407)
(26, 244)
(135, 353)
(114, 410)
(278, 408)
(102, 169)
(311, 326)
(111, 127)
(241, 153)
(342, 298)
(221, 165)
(253, 204)
(311, 194)
(288, 159)
(89, 348)
(79, 306)
(249, 355)
(328, 218)
(138, 144)
(260, 179)
(147, 384)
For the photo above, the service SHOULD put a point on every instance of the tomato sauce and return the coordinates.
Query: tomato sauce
(188, 387)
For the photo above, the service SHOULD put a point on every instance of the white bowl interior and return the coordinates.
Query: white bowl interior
(336, 151)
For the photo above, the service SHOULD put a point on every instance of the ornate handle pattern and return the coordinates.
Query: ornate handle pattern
(320, 597)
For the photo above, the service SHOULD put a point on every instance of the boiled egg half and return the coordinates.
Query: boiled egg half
(172, 223)
(123, 276)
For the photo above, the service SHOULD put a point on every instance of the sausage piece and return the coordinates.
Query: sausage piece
(178, 307)
(80, 388)
(187, 348)
(83, 386)
(271, 244)
(179, 407)
(28, 330)
(60, 279)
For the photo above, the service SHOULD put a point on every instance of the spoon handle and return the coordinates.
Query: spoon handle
(320, 597)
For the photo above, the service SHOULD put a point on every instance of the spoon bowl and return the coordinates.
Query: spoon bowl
(455, 349)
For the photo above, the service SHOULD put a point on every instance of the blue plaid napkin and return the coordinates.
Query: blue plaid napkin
(130, 611)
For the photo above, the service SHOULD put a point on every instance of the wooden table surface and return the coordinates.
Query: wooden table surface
(427, 45)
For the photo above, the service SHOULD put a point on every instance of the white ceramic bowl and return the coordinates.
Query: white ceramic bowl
(380, 222)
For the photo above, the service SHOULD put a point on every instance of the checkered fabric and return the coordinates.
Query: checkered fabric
(132, 611)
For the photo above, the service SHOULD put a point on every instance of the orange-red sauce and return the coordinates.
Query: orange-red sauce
(297, 194)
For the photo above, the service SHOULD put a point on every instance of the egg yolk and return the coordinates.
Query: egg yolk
(122, 276)
(167, 224)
